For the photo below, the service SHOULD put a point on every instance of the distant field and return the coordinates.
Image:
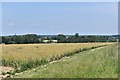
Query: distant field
(95, 63)
(27, 56)
(24, 52)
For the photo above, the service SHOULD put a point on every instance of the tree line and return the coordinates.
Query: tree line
(61, 38)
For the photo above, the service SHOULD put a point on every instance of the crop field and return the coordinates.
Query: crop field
(33, 51)
(29, 56)
(101, 62)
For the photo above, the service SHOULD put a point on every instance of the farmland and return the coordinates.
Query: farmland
(27, 56)
(32, 51)
(95, 63)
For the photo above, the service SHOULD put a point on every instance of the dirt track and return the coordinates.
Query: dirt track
(5, 70)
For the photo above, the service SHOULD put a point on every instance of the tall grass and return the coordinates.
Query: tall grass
(98, 63)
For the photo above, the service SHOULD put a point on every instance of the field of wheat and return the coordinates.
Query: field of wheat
(33, 51)
(25, 56)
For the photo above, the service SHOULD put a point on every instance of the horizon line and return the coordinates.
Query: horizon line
(57, 34)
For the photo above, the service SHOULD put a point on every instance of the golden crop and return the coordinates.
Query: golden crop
(23, 52)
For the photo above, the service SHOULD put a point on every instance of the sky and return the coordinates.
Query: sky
(60, 0)
(52, 18)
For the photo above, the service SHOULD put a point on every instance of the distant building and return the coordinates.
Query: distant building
(55, 41)
(45, 41)
(50, 41)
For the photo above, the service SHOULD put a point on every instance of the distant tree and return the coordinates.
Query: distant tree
(0, 39)
(33, 38)
(73, 39)
(76, 34)
(61, 38)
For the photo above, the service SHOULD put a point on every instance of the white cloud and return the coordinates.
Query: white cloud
(11, 24)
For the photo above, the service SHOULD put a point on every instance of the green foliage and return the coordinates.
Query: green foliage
(61, 38)
(20, 39)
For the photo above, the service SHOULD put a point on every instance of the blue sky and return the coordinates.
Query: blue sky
(59, 17)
